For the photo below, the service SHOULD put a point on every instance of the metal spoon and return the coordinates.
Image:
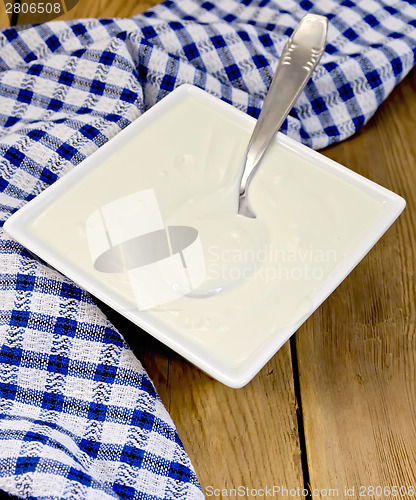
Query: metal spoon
(299, 58)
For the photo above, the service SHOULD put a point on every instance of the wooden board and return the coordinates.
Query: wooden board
(357, 354)
(238, 438)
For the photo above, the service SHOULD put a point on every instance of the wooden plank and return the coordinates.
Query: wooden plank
(357, 354)
(238, 438)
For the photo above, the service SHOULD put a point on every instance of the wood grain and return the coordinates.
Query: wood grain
(357, 354)
(245, 437)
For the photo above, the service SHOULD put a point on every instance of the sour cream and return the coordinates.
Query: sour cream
(261, 274)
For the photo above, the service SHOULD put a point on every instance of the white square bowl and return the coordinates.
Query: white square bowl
(69, 225)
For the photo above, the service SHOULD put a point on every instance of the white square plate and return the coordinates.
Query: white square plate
(80, 223)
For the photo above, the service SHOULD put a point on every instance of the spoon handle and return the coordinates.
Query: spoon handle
(299, 58)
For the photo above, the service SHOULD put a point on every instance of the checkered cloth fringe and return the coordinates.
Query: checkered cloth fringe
(79, 417)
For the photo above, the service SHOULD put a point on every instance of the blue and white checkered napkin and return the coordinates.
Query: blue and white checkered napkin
(79, 416)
